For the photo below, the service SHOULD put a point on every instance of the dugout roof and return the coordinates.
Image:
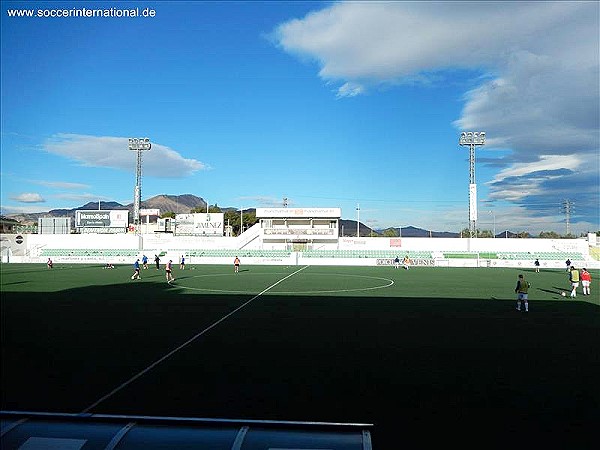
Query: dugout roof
(37, 431)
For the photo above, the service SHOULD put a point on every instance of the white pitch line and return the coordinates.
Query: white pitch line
(185, 344)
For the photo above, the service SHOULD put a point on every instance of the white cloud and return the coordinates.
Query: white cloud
(60, 184)
(263, 202)
(28, 197)
(350, 90)
(536, 179)
(545, 163)
(543, 57)
(390, 40)
(113, 152)
(86, 196)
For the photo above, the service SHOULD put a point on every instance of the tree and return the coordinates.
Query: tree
(250, 219)
(390, 232)
(202, 209)
(465, 232)
(523, 234)
(549, 235)
(232, 218)
(168, 214)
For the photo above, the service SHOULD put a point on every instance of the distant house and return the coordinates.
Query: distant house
(8, 226)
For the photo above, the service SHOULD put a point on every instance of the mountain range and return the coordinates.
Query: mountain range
(186, 202)
(177, 203)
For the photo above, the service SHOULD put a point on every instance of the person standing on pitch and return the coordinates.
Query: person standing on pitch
(169, 271)
(586, 280)
(537, 265)
(136, 270)
(574, 279)
(521, 291)
(397, 263)
(157, 262)
(568, 263)
(236, 264)
(145, 262)
(406, 262)
(182, 262)
(49, 263)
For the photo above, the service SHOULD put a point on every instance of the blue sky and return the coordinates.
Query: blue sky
(329, 104)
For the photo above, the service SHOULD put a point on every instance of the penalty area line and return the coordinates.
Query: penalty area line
(185, 344)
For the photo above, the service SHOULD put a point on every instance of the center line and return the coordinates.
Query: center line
(186, 343)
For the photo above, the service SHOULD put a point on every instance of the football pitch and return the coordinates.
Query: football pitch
(421, 354)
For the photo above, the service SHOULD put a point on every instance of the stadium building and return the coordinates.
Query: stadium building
(282, 236)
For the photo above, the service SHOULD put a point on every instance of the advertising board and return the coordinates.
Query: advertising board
(101, 218)
(200, 224)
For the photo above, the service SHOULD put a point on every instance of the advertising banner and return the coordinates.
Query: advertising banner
(102, 219)
(150, 212)
(472, 202)
(329, 213)
(300, 233)
(395, 242)
(200, 224)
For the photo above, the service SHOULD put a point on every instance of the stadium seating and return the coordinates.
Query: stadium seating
(55, 252)
(365, 254)
(232, 253)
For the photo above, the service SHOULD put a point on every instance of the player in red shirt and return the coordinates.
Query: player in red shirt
(586, 280)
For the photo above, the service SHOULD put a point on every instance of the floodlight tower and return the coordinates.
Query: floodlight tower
(472, 139)
(138, 145)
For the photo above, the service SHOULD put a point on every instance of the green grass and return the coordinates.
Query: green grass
(430, 348)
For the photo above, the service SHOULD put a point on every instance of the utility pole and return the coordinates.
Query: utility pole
(567, 207)
(241, 220)
(357, 220)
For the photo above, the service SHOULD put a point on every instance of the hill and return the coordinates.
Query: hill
(180, 204)
(177, 203)
(348, 228)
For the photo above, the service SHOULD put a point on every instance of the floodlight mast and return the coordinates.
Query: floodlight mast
(138, 145)
(472, 139)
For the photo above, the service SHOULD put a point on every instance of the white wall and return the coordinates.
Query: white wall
(83, 241)
(466, 244)
(152, 243)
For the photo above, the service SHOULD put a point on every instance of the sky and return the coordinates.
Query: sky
(356, 105)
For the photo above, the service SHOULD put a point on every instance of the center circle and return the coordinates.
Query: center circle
(373, 284)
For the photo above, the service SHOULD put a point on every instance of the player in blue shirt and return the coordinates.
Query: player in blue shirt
(136, 270)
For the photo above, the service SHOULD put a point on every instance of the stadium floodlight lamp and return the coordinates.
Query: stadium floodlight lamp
(139, 144)
(472, 138)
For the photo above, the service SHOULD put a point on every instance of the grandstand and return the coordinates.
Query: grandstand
(308, 236)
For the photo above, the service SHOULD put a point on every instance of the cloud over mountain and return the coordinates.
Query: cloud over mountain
(113, 152)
